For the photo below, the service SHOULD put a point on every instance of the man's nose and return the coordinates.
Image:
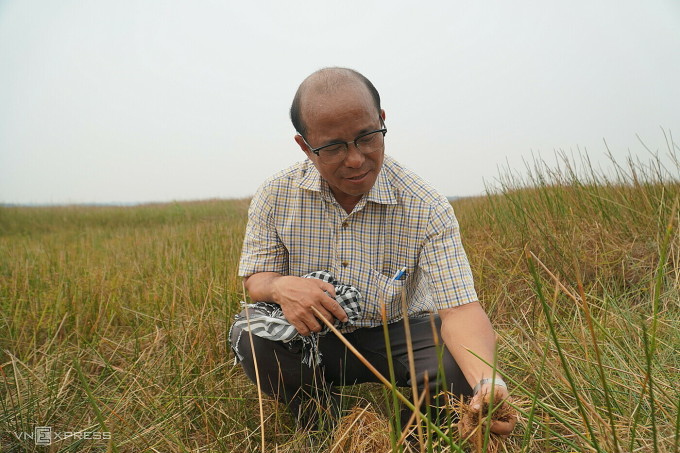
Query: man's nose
(354, 158)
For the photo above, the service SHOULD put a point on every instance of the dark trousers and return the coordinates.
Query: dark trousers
(284, 376)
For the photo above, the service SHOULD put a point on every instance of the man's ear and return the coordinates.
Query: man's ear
(382, 114)
(301, 143)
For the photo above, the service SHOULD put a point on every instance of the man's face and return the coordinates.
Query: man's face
(342, 116)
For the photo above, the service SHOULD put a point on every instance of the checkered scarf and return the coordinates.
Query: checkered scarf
(267, 321)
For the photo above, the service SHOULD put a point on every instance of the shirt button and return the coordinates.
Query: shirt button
(344, 264)
(345, 224)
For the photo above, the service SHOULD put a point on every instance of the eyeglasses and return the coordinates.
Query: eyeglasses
(366, 143)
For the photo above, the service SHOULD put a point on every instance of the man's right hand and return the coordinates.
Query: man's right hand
(296, 296)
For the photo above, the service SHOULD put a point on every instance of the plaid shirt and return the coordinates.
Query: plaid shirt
(295, 226)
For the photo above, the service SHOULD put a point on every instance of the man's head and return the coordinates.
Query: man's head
(331, 76)
(337, 105)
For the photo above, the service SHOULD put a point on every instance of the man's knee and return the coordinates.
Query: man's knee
(278, 364)
(240, 345)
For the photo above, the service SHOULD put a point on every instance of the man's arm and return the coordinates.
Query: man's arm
(467, 327)
(296, 296)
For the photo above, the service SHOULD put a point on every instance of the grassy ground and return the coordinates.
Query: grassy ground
(114, 320)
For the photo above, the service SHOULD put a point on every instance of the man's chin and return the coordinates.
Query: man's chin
(358, 190)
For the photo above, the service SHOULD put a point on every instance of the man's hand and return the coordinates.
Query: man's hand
(296, 296)
(502, 426)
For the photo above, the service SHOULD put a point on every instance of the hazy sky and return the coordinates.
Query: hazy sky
(131, 101)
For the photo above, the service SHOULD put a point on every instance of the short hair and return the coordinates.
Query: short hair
(295, 108)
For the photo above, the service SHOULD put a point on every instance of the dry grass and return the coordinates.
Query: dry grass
(115, 319)
(362, 430)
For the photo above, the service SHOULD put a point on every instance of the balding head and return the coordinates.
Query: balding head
(323, 82)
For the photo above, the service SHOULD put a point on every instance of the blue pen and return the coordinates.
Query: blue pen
(400, 273)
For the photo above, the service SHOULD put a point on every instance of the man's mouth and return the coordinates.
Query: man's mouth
(357, 177)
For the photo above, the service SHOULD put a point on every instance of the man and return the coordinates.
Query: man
(355, 212)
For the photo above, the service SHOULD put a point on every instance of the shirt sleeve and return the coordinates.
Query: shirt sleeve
(444, 261)
(263, 250)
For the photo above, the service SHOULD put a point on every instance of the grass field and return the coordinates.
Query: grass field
(113, 320)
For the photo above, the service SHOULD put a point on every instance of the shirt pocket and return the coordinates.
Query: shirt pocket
(383, 289)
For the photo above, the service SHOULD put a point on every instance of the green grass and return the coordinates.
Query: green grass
(115, 318)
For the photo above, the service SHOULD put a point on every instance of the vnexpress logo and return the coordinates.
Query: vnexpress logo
(43, 435)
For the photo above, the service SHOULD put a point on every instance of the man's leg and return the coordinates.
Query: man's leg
(437, 363)
(283, 376)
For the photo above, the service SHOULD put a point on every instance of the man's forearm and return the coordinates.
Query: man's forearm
(260, 286)
(467, 328)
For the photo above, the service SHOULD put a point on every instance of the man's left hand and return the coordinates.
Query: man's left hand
(501, 427)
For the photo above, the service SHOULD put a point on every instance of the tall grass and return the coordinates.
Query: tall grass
(580, 271)
(115, 319)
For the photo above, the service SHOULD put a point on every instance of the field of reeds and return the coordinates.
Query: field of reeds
(114, 321)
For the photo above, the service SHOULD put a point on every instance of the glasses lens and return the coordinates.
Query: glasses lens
(366, 144)
(369, 140)
(334, 153)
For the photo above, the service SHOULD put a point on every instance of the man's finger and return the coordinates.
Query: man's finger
(301, 328)
(326, 314)
(476, 402)
(501, 427)
(309, 326)
(484, 395)
(310, 320)
(330, 289)
(304, 321)
(336, 310)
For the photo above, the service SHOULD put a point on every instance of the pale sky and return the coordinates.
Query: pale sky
(125, 101)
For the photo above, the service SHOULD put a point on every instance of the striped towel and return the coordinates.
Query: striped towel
(267, 321)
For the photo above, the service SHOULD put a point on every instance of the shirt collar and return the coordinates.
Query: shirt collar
(382, 191)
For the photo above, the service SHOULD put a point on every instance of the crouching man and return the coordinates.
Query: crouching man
(354, 212)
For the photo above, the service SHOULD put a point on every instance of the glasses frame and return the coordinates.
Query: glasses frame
(383, 130)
